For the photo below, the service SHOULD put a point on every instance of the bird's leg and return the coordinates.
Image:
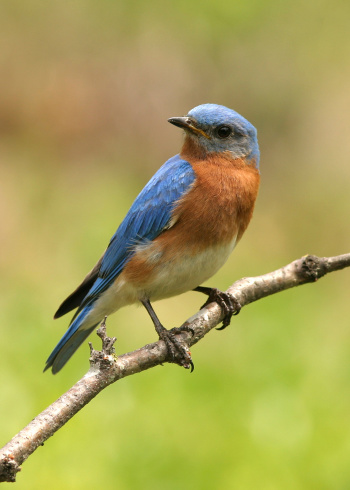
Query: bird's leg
(229, 305)
(177, 352)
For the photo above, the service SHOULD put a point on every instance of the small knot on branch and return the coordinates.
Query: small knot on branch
(105, 357)
(312, 268)
(9, 468)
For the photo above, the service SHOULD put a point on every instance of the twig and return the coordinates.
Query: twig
(105, 368)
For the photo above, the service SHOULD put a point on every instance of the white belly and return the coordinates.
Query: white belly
(180, 276)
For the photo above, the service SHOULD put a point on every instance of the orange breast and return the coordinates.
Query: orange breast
(220, 204)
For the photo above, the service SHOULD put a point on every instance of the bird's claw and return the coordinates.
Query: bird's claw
(228, 304)
(178, 352)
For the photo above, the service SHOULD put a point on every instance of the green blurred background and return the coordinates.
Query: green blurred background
(86, 88)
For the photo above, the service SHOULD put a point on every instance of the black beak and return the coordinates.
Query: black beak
(181, 122)
(187, 123)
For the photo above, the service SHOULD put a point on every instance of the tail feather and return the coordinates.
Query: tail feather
(69, 343)
(75, 299)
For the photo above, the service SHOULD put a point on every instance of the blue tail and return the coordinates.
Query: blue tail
(70, 342)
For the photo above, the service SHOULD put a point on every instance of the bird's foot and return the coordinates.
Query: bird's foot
(228, 303)
(178, 352)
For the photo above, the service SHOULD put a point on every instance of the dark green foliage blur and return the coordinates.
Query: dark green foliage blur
(86, 88)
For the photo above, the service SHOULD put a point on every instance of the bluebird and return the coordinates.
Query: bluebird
(179, 231)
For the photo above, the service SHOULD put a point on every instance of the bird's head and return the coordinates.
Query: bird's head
(216, 129)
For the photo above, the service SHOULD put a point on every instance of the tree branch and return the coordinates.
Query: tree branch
(105, 368)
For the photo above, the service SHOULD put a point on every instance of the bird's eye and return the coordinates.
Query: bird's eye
(223, 131)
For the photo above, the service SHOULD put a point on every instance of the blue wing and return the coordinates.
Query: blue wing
(148, 216)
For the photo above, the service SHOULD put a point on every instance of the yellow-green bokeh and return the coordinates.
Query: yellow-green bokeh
(85, 91)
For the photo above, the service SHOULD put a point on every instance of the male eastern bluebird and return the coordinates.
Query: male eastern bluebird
(178, 232)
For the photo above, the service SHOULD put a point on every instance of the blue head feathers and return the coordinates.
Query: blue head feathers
(219, 129)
